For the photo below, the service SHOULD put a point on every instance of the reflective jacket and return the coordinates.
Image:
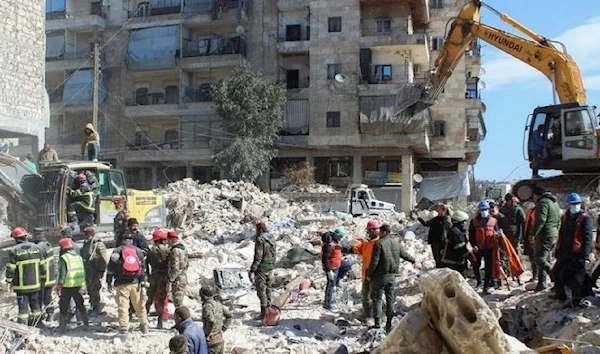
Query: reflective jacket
(49, 275)
(72, 271)
(483, 232)
(85, 195)
(24, 267)
(455, 250)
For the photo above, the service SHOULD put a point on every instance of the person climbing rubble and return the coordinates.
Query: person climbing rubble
(515, 220)
(382, 271)
(93, 253)
(80, 208)
(528, 239)
(120, 221)
(23, 270)
(545, 232)
(194, 334)
(334, 266)
(139, 240)
(573, 249)
(71, 283)
(177, 268)
(215, 320)
(91, 143)
(483, 231)
(126, 269)
(262, 265)
(438, 228)
(455, 251)
(364, 248)
(158, 264)
(48, 277)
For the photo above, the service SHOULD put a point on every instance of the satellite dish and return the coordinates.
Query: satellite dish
(240, 30)
(417, 178)
(341, 78)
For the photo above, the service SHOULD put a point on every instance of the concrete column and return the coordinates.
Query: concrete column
(357, 172)
(463, 166)
(408, 170)
(154, 177)
(189, 173)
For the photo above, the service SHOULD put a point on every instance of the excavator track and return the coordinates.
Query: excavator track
(570, 182)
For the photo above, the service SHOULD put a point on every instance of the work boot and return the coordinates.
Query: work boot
(159, 322)
(263, 312)
(144, 329)
(85, 320)
(62, 323)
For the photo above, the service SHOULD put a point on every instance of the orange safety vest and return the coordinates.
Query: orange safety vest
(514, 265)
(365, 250)
(335, 259)
(485, 233)
(578, 238)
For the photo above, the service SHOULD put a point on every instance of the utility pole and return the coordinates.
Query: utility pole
(95, 83)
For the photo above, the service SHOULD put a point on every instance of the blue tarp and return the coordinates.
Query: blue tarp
(445, 187)
(78, 89)
(153, 48)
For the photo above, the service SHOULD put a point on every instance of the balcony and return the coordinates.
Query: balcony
(473, 61)
(297, 89)
(213, 53)
(163, 152)
(292, 5)
(69, 61)
(79, 21)
(294, 43)
(202, 93)
(397, 39)
(157, 105)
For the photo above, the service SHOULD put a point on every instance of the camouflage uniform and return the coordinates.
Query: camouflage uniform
(215, 318)
(264, 262)
(93, 253)
(178, 265)
(119, 226)
(158, 261)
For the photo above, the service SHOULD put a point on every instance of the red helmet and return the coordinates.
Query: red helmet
(18, 232)
(172, 234)
(88, 229)
(81, 178)
(373, 225)
(65, 243)
(119, 201)
(158, 235)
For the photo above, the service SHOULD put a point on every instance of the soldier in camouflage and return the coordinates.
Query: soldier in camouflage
(216, 319)
(158, 263)
(178, 265)
(264, 262)
(93, 253)
(120, 221)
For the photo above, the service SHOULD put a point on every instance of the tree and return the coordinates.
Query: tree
(251, 109)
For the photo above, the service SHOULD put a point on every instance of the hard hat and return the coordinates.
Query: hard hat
(88, 229)
(81, 178)
(573, 198)
(172, 234)
(340, 231)
(119, 201)
(484, 205)
(373, 224)
(158, 235)
(19, 232)
(65, 243)
(460, 216)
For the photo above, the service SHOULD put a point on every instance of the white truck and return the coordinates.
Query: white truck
(358, 200)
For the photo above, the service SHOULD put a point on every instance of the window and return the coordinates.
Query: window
(384, 26)
(117, 183)
(141, 96)
(437, 43)
(439, 128)
(340, 168)
(334, 24)
(293, 79)
(172, 94)
(293, 33)
(578, 123)
(333, 70)
(386, 73)
(436, 4)
(388, 166)
(333, 119)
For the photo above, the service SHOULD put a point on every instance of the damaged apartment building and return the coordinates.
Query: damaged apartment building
(346, 64)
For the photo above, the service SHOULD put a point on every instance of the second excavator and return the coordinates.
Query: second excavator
(564, 136)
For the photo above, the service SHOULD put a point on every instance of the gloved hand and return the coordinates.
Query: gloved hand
(331, 275)
(59, 290)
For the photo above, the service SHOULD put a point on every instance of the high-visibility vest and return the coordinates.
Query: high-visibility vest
(75, 276)
(49, 276)
(485, 232)
(24, 267)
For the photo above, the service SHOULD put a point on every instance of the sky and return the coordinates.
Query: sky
(513, 89)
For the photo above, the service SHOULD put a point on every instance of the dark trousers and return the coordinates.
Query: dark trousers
(340, 273)
(158, 289)
(384, 285)
(436, 251)
(93, 151)
(65, 299)
(77, 212)
(486, 256)
(46, 300)
(262, 282)
(27, 302)
(571, 274)
(93, 286)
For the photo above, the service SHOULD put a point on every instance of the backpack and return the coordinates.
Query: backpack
(130, 265)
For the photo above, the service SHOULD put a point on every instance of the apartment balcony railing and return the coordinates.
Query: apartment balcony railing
(473, 93)
(202, 93)
(214, 46)
(294, 36)
(166, 7)
(383, 28)
(153, 98)
(59, 15)
(296, 84)
(65, 55)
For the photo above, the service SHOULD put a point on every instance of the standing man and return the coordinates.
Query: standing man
(334, 266)
(178, 266)
(120, 221)
(263, 265)
(384, 266)
(545, 232)
(48, 277)
(483, 231)
(572, 251)
(215, 319)
(536, 147)
(81, 206)
(158, 262)
(438, 228)
(71, 283)
(514, 220)
(139, 240)
(126, 268)
(91, 143)
(25, 264)
(47, 154)
(93, 253)
(196, 339)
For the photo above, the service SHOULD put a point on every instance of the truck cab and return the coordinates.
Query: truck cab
(362, 201)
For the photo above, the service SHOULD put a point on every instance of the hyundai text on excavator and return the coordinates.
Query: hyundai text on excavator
(571, 126)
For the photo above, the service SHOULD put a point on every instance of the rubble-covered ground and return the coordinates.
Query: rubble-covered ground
(218, 232)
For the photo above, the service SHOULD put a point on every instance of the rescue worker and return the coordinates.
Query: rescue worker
(528, 238)
(91, 143)
(537, 146)
(120, 221)
(93, 253)
(139, 240)
(71, 283)
(545, 232)
(185, 325)
(158, 264)
(48, 277)
(178, 345)
(81, 207)
(126, 268)
(383, 268)
(364, 249)
(215, 319)
(23, 269)
(515, 220)
(178, 264)
(455, 251)
(334, 266)
(263, 265)
(47, 154)
(438, 228)
(572, 251)
(483, 231)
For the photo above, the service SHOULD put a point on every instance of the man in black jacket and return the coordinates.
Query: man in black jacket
(438, 228)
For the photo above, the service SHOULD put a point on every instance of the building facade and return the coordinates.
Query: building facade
(346, 65)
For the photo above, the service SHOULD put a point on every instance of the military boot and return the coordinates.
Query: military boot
(263, 312)
(541, 285)
(159, 322)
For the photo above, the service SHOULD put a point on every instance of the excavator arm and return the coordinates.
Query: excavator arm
(537, 52)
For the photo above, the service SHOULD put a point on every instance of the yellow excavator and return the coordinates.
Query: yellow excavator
(571, 133)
